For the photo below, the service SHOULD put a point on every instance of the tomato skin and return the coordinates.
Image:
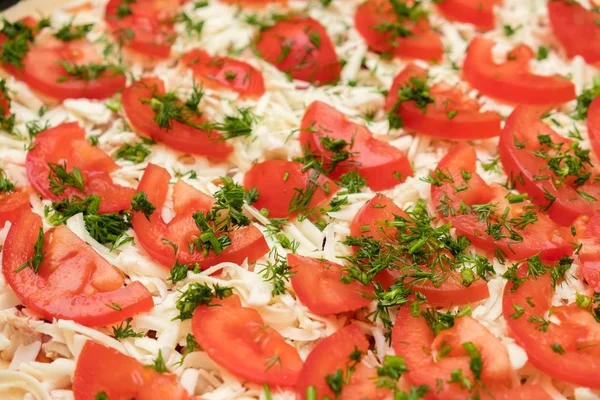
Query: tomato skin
(373, 216)
(288, 46)
(102, 369)
(375, 160)
(524, 125)
(180, 137)
(544, 236)
(318, 285)
(576, 29)
(217, 72)
(11, 204)
(469, 123)
(577, 333)
(236, 338)
(247, 242)
(276, 181)
(593, 125)
(590, 253)
(65, 289)
(480, 13)
(66, 142)
(511, 81)
(424, 44)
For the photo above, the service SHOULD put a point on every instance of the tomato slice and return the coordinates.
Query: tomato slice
(332, 354)
(180, 136)
(247, 242)
(590, 253)
(11, 204)
(479, 13)
(318, 285)
(593, 125)
(422, 43)
(225, 72)
(576, 29)
(542, 236)
(279, 181)
(146, 28)
(301, 48)
(511, 81)
(43, 72)
(237, 338)
(102, 369)
(375, 160)
(577, 334)
(453, 115)
(371, 220)
(67, 143)
(519, 142)
(73, 281)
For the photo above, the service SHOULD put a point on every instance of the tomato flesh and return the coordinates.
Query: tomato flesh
(67, 143)
(225, 72)
(479, 13)
(590, 253)
(11, 204)
(102, 369)
(576, 29)
(453, 115)
(301, 48)
(237, 338)
(73, 282)
(246, 242)
(512, 82)
(382, 165)
(593, 125)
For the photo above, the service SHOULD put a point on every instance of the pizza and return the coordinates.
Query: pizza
(300, 199)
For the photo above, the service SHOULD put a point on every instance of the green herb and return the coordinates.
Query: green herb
(6, 186)
(509, 30)
(87, 72)
(392, 369)
(69, 32)
(335, 381)
(193, 28)
(34, 128)
(125, 330)
(109, 228)
(326, 3)
(476, 362)
(557, 348)
(168, 107)
(101, 396)
(404, 14)
(159, 364)
(140, 202)
(278, 273)
(251, 196)
(136, 153)
(59, 178)
(352, 182)
(585, 99)
(38, 254)
(18, 39)
(198, 294)
(7, 120)
(542, 53)
(233, 126)
(315, 39)
(114, 306)
(415, 90)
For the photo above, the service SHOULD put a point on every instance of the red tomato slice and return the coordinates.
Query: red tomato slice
(318, 285)
(576, 29)
(543, 236)
(247, 242)
(480, 13)
(67, 143)
(102, 369)
(424, 43)
(42, 71)
(180, 137)
(237, 338)
(333, 353)
(252, 3)
(73, 282)
(376, 161)
(278, 181)
(11, 204)
(578, 333)
(593, 125)
(148, 28)
(453, 115)
(301, 48)
(370, 221)
(531, 173)
(225, 72)
(511, 81)
(590, 253)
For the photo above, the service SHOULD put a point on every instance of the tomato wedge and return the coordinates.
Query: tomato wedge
(371, 221)
(280, 182)
(318, 285)
(576, 28)
(593, 125)
(378, 24)
(479, 13)
(225, 73)
(144, 27)
(332, 354)
(66, 143)
(12, 203)
(590, 253)
(247, 242)
(179, 136)
(452, 115)
(376, 161)
(567, 351)
(566, 197)
(73, 282)
(44, 72)
(101, 369)
(486, 227)
(512, 82)
(237, 338)
(300, 47)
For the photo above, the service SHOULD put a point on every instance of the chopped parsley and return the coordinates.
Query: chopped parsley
(69, 32)
(278, 273)
(87, 72)
(136, 153)
(59, 178)
(19, 36)
(140, 202)
(417, 90)
(199, 294)
(159, 364)
(125, 330)
(585, 99)
(38, 254)
(6, 186)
